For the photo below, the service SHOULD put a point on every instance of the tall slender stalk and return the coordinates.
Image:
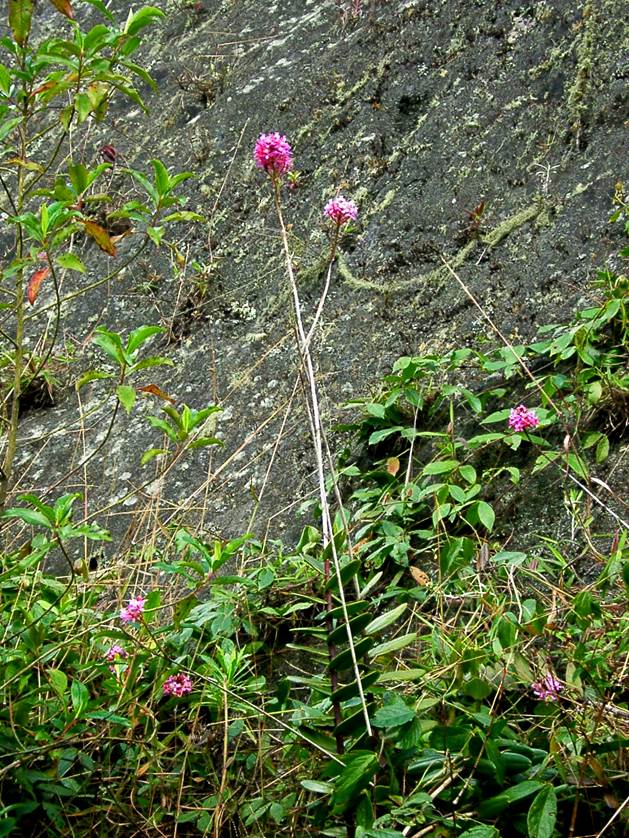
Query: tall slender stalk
(18, 355)
(318, 436)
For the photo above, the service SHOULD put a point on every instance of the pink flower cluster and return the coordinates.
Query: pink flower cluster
(115, 655)
(273, 154)
(132, 613)
(177, 685)
(340, 210)
(521, 418)
(548, 689)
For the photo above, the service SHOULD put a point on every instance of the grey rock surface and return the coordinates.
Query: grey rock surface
(418, 111)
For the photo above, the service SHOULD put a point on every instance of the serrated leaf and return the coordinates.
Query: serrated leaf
(35, 282)
(393, 715)
(126, 396)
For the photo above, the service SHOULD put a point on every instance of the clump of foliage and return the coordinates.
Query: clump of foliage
(406, 669)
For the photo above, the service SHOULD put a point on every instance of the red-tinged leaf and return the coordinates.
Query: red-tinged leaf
(100, 236)
(20, 12)
(154, 390)
(34, 282)
(64, 6)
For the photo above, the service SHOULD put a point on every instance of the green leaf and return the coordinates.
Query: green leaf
(29, 516)
(70, 262)
(91, 375)
(80, 697)
(360, 767)
(486, 515)
(440, 467)
(204, 441)
(78, 177)
(183, 215)
(83, 106)
(155, 234)
(317, 787)
(5, 86)
(143, 17)
(476, 688)
(543, 814)
(110, 343)
(8, 126)
(602, 449)
(58, 681)
(146, 185)
(385, 620)
(162, 178)
(378, 436)
(392, 645)
(403, 675)
(481, 832)
(393, 715)
(141, 335)
(492, 807)
(344, 660)
(126, 396)
(497, 416)
(151, 454)
(20, 12)
(468, 473)
(577, 465)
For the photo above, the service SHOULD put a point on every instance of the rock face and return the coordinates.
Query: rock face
(487, 134)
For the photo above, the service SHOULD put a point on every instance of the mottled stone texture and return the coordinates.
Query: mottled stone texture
(418, 111)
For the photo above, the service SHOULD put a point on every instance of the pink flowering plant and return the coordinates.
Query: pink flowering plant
(134, 610)
(548, 688)
(341, 211)
(273, 154)
(177, 685)
(522, 418)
